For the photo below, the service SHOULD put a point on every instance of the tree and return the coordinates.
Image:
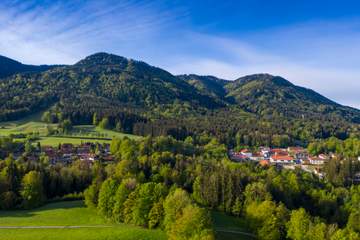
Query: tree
(299, 224)
(193, 224)
(122, 193)
(118, 126)
(66, 126)
(91, 195)
(256, 192)
(147, 195)
(345, 234)
(267, 219)
(11, 173)
(32, 190)
(95, 120)
(104, 123)
(8, 200)
(174, 204)
(236, 209)
(28, 147)
(354, 220)
(156, 215)
(46, 117)
(107, 197)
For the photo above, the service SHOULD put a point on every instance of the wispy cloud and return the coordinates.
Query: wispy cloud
(64, 31)
(323, 56)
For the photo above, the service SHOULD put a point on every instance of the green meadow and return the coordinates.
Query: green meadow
(78, 135)
(73, 221)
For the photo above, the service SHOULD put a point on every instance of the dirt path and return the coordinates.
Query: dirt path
(53, 227)
(235, 232)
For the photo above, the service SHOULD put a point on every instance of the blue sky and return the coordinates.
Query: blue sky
(315, 44)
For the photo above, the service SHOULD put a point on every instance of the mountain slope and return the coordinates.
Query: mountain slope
(118, 81)
(9, 67)
(135, 97)
(107, 76)
(209, 85)
(269, 95)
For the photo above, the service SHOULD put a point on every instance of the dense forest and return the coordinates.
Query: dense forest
(10, 67)
(173, 185)
(258, 109)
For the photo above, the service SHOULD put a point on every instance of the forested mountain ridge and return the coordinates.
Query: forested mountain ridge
(144, 100)
(269, 95)
(101, 75)
(9, 67)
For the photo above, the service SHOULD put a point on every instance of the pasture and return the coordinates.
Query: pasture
(78, 134)
(65, 221)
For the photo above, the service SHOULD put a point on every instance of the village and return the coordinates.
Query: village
(67, 153)
(287, 158)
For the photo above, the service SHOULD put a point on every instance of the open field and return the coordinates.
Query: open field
(230, 228)
(86, 224)
(78, 135)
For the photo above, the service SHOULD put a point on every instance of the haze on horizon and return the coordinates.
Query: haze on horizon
(312, 44)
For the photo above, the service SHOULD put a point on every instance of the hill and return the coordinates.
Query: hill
(10, 67)
(145, 100)
(101, 78)
(269, 95)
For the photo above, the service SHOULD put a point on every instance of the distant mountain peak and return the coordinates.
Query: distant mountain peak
(265, 77)
(102, 58)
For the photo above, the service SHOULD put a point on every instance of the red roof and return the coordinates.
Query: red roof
(282, 158)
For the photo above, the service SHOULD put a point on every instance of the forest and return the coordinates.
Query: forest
(161, 182)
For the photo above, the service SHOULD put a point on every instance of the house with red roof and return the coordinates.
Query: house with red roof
(282, 159)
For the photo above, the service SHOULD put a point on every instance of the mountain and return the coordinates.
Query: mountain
(145, 100)
(105, 76)
(9, 67)
(265, 94)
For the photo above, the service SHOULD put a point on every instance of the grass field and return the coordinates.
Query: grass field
(230, 228)
(79, 134)
(69, 214)
(92, 226)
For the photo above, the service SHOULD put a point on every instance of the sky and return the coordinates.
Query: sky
(314, 44)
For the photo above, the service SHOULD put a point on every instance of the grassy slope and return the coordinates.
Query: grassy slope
(79, 134)
(69, 214)
(225, 226)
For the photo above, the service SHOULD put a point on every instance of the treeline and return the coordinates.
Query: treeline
(274, 203)
(344, 165)
(28, 184)
(151, 205)
(349, 147)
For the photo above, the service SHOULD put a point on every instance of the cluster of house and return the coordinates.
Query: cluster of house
(290, 155)
(290, 158)
(67, 153)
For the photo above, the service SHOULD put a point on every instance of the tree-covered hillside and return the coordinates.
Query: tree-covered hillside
(269, 95)
(147, 100)
(9, 67)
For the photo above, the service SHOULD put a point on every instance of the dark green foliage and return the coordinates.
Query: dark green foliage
(9, 67)
(137, 98)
